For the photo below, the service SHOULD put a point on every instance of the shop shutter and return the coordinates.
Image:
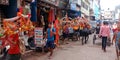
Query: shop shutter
(4, 2)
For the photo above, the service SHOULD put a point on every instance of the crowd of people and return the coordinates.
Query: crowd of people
(75, 28)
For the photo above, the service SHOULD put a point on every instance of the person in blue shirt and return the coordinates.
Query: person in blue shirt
(50, 38)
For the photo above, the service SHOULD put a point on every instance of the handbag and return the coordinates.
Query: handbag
(4, 2)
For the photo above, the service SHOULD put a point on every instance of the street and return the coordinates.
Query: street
(76, 51)
(31, 29)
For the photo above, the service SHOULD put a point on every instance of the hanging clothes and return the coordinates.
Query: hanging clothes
(51, 17)
(57, 32)
(33, 7)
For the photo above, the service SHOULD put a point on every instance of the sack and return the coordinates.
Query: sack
(4, 2)
(109, 42)
(22, 46)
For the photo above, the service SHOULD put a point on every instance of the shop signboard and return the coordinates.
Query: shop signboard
(38, 35)
(73, 6)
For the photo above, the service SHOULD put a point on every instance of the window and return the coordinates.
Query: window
(84, 5)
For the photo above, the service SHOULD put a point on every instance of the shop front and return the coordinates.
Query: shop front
(49, 11)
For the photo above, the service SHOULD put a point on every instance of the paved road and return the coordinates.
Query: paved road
(76, 51)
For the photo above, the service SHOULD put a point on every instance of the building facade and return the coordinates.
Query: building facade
(74, 8)
(85, 7)
(117, 13)
(107, 14)
(92, 17)
(96, 7)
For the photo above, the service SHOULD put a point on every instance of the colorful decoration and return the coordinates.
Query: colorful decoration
(21, 24)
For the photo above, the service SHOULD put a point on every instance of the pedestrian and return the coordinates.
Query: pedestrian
(105, 34)
(50, 39)
(97, 28)
(116, 39)
(81, 28)
(14, 50)
(85, 33)
(56, 25)
(65, 33)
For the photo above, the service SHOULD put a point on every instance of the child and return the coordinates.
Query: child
(50, 39)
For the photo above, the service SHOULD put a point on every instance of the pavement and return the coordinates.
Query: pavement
(77, 51)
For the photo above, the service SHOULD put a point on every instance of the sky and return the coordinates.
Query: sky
(105, 4)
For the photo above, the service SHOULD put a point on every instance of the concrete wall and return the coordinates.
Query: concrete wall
(83, 9)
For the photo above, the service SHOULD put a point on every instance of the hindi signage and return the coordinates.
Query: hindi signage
(38, 35)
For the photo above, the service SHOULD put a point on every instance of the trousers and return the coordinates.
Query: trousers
(104, 42)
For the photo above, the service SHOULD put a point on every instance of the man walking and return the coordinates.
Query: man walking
(105, 34)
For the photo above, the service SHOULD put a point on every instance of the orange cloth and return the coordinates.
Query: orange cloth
(76, 27)
(14, 48)
(57, 32)
(51, 16)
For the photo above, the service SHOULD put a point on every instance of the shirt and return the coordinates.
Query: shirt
(104, 31)
(14, 48)
(49, 37)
